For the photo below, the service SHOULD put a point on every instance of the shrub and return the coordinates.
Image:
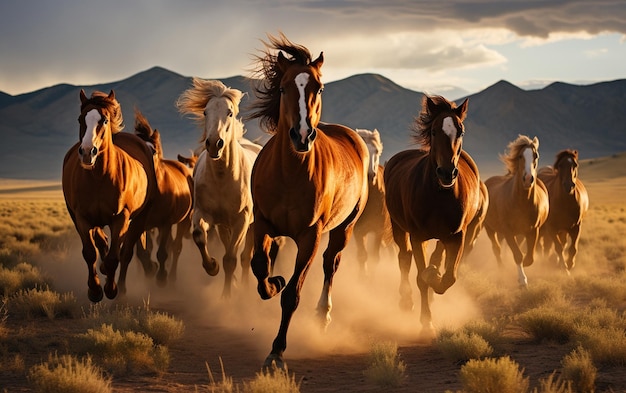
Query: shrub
(491, 375)
(226, 384)
(42, 302)
(579, 370)
(461, 346)
(551, 385)
(545, 323)
(22, 276)
(607, 345)
(162, 327)
(68, 374)
(123, 352)
(275, 380)
(385, 368)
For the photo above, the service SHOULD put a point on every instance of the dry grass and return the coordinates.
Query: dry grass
(578, 368)
(69, 375)
(385, 367)
(492, 375)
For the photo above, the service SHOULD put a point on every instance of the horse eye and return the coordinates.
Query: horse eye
(320, 91)
(230, 113)
(105, 121)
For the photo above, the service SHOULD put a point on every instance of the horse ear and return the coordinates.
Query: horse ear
(317, 63)
(83, 96)
(282, 61)
(432, 107)
(536, 142)
(461, 111)
(112, 95)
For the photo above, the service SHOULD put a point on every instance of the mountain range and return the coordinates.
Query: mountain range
(37, 128)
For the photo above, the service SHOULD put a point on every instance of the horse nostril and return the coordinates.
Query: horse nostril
(455, 173)
(94, 151)
(80, 150)
(220, 143)
(440, 172)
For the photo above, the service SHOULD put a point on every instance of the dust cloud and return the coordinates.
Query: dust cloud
(365, 308)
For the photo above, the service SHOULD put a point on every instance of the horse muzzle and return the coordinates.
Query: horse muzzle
(87, 158)
(300, 143)
(214, 149)
(447, 177)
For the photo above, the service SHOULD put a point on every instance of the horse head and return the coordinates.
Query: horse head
(523, 159)
(300, 100)
(375, 147)
(100, 117)
(441, 129)
(566, 166)
(221, 125)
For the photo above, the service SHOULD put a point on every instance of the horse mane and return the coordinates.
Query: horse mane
(145, 132)
(422, 124)
(102, 100)
(514, 149)
(563, 154)
(371, 137)
(267, 106)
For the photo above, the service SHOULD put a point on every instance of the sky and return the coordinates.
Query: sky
(428, 46)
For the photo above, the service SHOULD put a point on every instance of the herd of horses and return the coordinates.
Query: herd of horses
(309, 179)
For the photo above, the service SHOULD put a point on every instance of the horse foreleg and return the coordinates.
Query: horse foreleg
(453, 250)
(90, 255)
(419, 254)
(495, 244)
(165, 241)
(531, 244)
(246, 255)
(437, 255)
(361, 250)
(119, 228)
(261, 263)
(574, 234)
(404, 262)
(517, 257)
(307, 246)
(200, 236)
(144, 253)
(135, 228)
(182, 231)
(232, 239)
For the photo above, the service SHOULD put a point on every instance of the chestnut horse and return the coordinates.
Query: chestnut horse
(108, 180)
(375, 218)
(568, 204)
(518, 204)
(432, 193)
(171, 206)
(221, 176)
(310, 178)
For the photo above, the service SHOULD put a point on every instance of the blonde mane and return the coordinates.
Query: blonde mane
(371, 138)
(515, 148)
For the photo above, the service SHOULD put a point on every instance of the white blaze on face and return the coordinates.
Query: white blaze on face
(301, 81)
(92, 118)
(528, 158)
(449, 129)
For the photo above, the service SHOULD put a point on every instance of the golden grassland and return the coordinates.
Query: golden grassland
(583, 315)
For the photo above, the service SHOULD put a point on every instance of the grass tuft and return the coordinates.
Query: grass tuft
(385, 367)
(69, 375)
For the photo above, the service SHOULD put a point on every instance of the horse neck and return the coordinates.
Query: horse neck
(107, 162)
(519, 190)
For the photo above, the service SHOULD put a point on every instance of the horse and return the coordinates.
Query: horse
(171, 207)
(518, 204)
(108, 179)
(375, 218)
(309, 179)
(432, 192)
(221, 176)
(569, 203)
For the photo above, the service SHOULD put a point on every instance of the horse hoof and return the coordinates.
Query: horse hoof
(406, 305)
(274, 362)
(110, 290)
(278, 282)
(103, 268)
(161, 280)
(95, 295)
(211, 267)
(430, 275)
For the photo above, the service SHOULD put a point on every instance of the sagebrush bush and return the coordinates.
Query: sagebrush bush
(578, 368)
(606, 345)
(43, 302)
(123, 352)
(460, 346)
(21, 276)
(385, 367)
(493, 375)
(275, 380)
(545, 323)
(68, 374)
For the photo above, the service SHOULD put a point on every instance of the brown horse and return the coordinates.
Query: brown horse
(310, 178)
(518, 203)
(170, 206)
(432, 193)
(108, 180)
(375, 218)
(568, 204)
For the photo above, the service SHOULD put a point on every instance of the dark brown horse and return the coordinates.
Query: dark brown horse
(518, 204)
(432, 193)
(375, 218)
(568, 204)
(170, 207)
(108, 180)
(310, 178)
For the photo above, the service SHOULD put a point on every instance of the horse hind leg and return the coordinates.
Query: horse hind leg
(574, 234)
(405, 257)
(165, 242)
(495, 244)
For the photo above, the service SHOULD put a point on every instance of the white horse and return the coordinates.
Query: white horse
(221, 175)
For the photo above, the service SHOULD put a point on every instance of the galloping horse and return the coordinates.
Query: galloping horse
(568, 204)
(518, 203)
(170, 206)
(108, 180)
(310, 178)
(375, 218)
(432, 193)
(221, 176)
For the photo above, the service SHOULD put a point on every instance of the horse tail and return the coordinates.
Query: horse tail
(145, 132)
